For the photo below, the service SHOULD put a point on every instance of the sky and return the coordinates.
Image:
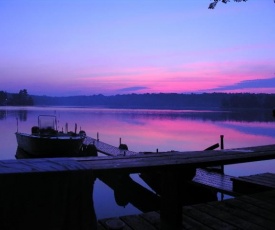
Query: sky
(109, 47)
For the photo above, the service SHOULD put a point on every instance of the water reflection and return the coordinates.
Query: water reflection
(148, 130)
(22, 115)
(3, 114)
(130, 115)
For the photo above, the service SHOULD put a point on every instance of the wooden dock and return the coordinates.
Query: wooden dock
(254, 183)
(206, 178)
(53, 177)
(255, 211)
(107, 149)
(176, 160)
(252, 211)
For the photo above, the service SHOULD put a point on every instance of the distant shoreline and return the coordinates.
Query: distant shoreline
(161, 101)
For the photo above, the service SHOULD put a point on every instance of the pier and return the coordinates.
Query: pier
(57, 191)
(254, 211)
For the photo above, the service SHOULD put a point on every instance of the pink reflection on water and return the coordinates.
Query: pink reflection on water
(147, 130)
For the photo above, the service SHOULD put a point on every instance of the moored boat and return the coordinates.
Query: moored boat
(46, 141)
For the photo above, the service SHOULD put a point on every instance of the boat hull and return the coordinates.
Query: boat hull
(49, 146)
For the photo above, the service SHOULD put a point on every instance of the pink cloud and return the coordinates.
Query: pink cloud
(186, 78)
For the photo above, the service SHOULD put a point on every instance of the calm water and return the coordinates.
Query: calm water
(148, 130)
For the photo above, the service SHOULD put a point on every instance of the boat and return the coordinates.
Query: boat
(46, 141)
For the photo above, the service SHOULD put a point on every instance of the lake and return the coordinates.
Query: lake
(149, 130)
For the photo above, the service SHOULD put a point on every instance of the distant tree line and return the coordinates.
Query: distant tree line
(147, 101)
(164, 101)
(17, 99)
(246, 100)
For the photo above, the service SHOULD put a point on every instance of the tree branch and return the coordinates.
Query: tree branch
(215, 2)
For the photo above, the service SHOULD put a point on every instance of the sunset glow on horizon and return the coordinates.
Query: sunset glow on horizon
(81, 47)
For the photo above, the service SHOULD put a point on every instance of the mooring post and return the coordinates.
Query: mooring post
(222, 147)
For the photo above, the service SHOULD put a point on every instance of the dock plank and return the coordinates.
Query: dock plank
(244, 212)
(259, 203)
(238, 212)
(41, 165)
(176, 160)
(137, 222)
(153, 218)
(107, 149)
(214, 180)
(254, 183)
(267, 197)
(265, 179)
(115, 222)
(100, 227)
(205, 218)
(192, 224)
(222, 215)
(251, 207)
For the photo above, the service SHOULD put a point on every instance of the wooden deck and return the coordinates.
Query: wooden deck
(207, 178)
(254, 183)
(107, 149)
(255, 211)
(169, 164)
(176, 160)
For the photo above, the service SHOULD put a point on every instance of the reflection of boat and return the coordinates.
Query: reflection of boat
(46, 141)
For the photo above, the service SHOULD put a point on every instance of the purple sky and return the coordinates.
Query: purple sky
(85, 47)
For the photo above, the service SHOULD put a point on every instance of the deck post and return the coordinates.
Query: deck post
(171, 207)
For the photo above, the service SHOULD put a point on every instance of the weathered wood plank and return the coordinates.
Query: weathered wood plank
(254, 183)
(100, 227)
(265, 196)
(205, 218)
(220, 182)
(244, 214)
(153, 218)
(108, 149)
(42, 165)
(223, 216)
(107, 223)
(175, 160)
(260, 204)
(192, 224)
(251, 207)
(265, 179)
(137, 222)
